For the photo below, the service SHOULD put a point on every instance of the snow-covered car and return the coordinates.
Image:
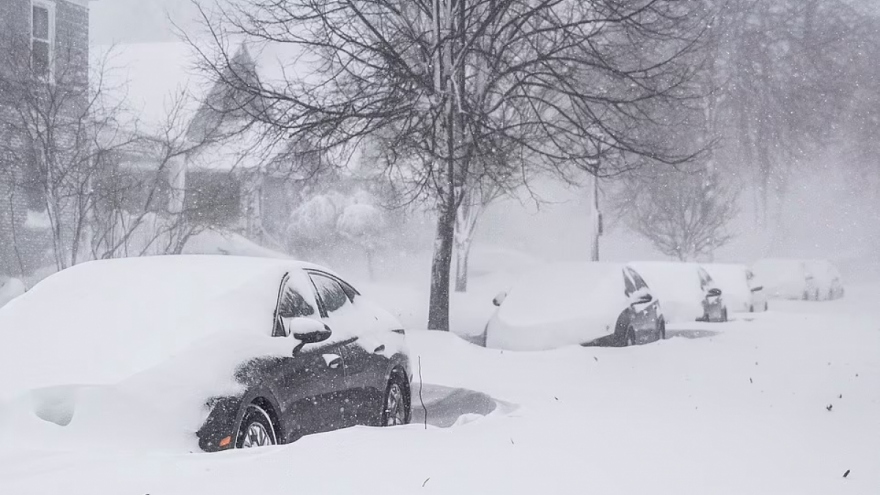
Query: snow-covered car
(688, 293)
(233, 352)
(742, 290)
(576, 303)
(799, 279)
(827, 282)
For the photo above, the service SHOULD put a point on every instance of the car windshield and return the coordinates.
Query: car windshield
(444, 247)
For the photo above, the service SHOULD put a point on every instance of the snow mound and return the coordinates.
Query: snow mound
(104, 321)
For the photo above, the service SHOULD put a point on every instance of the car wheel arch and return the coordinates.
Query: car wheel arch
(265, 401)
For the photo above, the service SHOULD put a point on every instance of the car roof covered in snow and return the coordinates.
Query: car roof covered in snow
(562, 291)
(102, 321)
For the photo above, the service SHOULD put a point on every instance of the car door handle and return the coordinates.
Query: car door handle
(332, 360)
(379, 349)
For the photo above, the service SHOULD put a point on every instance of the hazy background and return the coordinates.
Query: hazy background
(824, 214)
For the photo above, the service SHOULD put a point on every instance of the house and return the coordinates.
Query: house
(44, 46)
(228, 175)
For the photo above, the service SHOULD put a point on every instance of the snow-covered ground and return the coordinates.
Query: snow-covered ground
(783, 402)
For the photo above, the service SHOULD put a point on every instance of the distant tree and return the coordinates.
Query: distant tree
(312, 224)
(781, 73)
(684, 214)
(363, 224)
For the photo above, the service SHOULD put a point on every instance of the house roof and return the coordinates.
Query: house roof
(163, 90)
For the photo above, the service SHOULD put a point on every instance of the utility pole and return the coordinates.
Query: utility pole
(595, 220)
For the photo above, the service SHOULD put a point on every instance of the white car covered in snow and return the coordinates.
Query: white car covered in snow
(576, 303)
(808, 280)
(826, 279)
(742, 290)
(688, 293)
(227, 352)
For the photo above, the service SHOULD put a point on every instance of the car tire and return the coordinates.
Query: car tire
(256, 429)
(661, 330)
(395, 407)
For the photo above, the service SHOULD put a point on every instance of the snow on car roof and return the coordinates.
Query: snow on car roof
(102, 321)
(671, 281)
(563, 291)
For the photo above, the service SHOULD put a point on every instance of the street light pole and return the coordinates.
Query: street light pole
(595, 220)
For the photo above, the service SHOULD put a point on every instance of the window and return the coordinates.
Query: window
(291, 304)
(41, 39)
(705, 279)
(639, 281)
(630, 286)
(294, 305)
(330, 292)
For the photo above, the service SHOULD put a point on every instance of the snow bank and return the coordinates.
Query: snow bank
(10, 288)
(743, 410)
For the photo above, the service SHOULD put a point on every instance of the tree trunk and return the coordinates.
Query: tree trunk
(438, 312)
(462, 254)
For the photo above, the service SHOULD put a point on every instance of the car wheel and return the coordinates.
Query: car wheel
(256, 429)
(395, 411)
(661, 330)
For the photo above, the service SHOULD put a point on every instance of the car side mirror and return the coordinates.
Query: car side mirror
(756, 289)
(308, 331)
(714, 292)
(499, 299)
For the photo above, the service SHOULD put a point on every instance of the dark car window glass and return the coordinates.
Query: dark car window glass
(639, 281)
(705, 279)
(330, 292)
(293, 305)
(630, 286)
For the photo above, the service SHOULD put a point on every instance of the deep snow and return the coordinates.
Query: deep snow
(731, 408)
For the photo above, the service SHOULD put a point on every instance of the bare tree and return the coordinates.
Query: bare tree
(780, 75)
(58, 125)
(434, 82)
(684, 213)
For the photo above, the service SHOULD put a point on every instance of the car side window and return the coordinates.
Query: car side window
(705, 279)
(330, 292)
(639, 281)
(293, 304)
(630, 286)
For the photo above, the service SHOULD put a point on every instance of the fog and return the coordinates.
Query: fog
(823, 213)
